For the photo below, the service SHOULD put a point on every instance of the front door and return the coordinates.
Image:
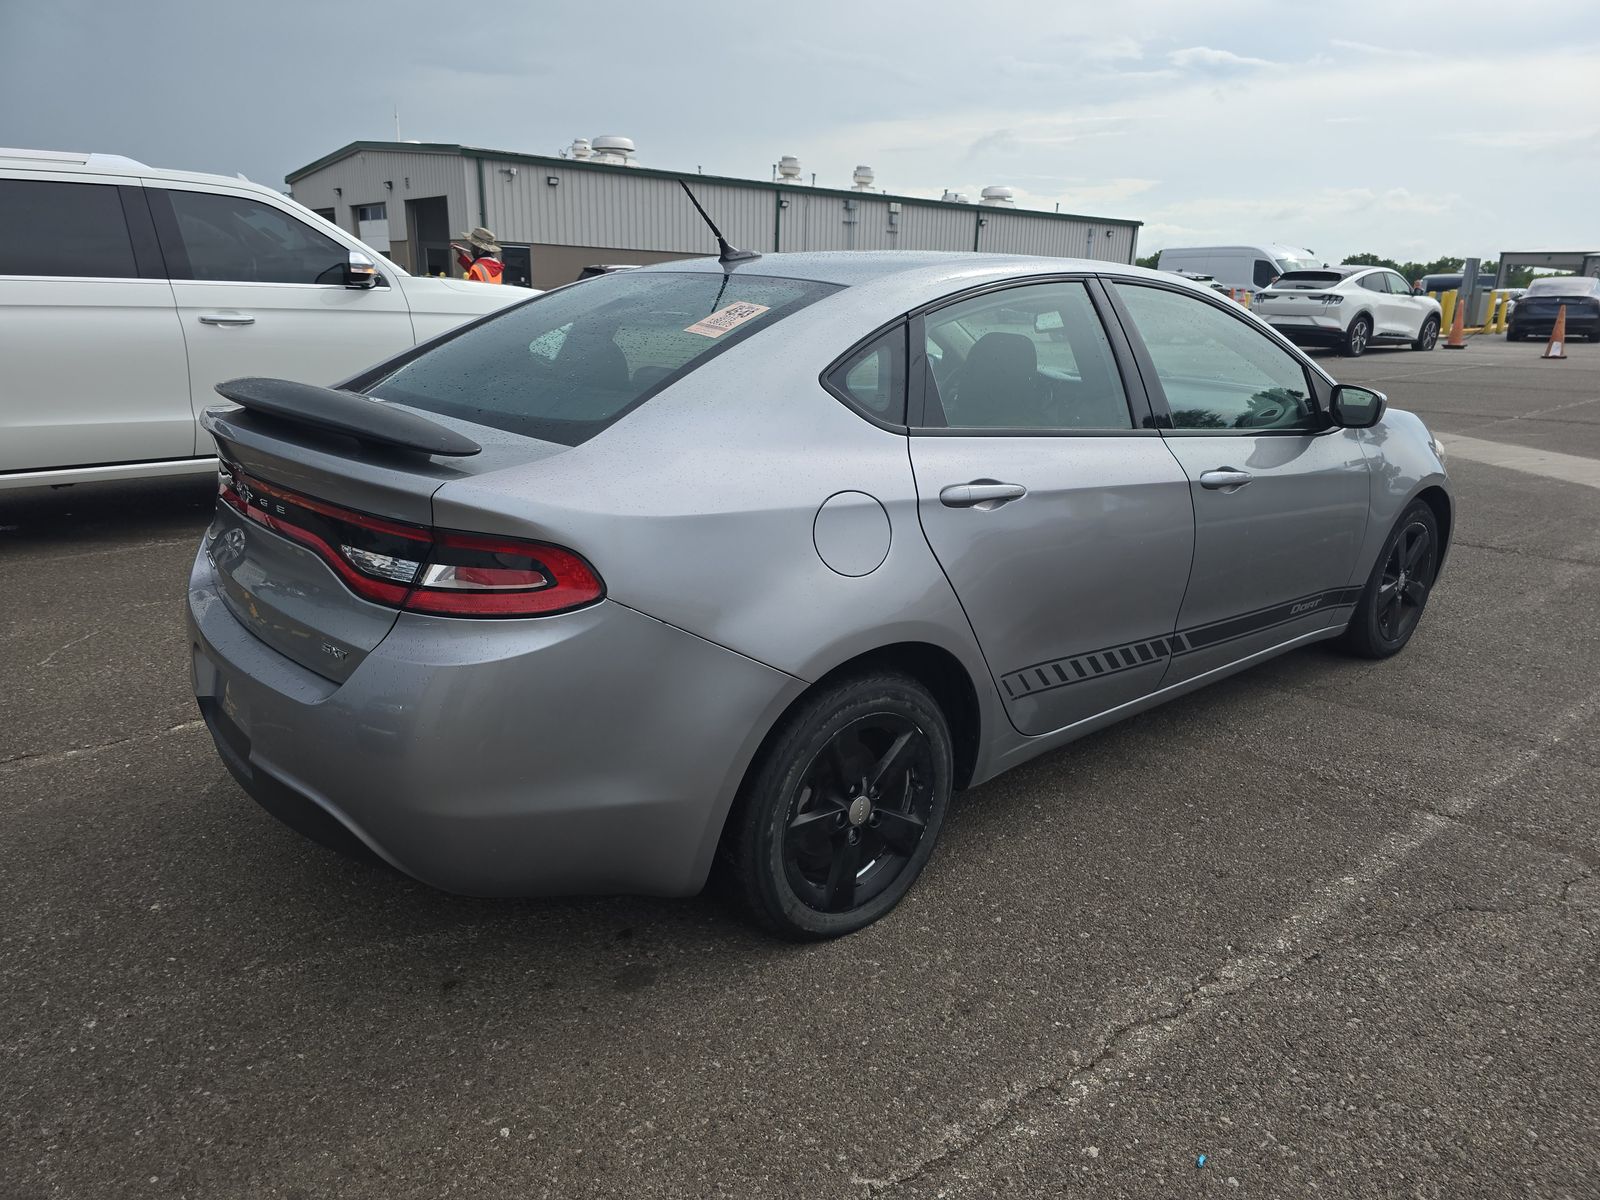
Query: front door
(261, 292)
(1280, 498)
(1065, 530)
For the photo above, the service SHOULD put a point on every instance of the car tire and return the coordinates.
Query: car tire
(1357, 338)
(1513, 335)
(839, 813)
(1397, 591)
(1428, 335)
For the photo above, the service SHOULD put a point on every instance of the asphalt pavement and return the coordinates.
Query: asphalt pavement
(1333, 925)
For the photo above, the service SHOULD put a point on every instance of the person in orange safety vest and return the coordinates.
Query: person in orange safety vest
(480, 256)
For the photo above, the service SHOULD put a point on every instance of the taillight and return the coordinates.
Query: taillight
(471, 576)
(413, 567)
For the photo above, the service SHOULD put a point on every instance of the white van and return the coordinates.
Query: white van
(127, 293)
(1248, 267)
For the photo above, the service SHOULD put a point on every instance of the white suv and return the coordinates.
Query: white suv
(127, 293)
(1351, 308)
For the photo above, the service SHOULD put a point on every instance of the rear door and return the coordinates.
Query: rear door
(1280, 499)
(1058, 515)
(90, 346)
(1388, 315)
(260, 291)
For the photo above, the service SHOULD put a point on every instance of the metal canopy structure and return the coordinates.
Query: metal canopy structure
(1579, 262)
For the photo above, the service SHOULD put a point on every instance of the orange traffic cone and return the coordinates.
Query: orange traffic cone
(1557, 346)
(1458, 338)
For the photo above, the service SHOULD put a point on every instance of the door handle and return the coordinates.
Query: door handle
(228, 319)
(1225, 479)
(981, 493)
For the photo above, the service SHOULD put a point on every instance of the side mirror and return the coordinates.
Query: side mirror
(360, 271)
(1356, 407)
(1416, 290)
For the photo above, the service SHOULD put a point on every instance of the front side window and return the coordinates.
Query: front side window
(873, 378)
(1217, 371)
(565, 366)
(222, 237)
(1397, 285)
(75, 229)
(1031, 357)
(1265, 273)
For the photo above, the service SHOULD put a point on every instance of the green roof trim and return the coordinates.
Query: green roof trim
(550, 160)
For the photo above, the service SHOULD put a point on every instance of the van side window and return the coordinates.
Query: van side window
(1265, 272)
(76, 229)
(212, 236)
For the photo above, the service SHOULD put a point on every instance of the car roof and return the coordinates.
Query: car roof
(115, 164)
(855, 267)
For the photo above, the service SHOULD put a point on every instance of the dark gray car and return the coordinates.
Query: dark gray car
(749, 565)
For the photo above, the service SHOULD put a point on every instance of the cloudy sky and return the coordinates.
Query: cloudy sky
(1404, 127)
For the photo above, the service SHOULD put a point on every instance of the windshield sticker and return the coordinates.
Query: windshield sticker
(724, 319)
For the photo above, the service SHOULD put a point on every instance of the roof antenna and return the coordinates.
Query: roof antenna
(727, 251)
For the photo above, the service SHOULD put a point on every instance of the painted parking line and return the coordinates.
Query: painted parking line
(1570, 468)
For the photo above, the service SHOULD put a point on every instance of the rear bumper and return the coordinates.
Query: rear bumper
(596, 751)
(1586, 325)
(1314, 331)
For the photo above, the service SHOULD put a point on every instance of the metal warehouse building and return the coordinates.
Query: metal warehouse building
(555, 215)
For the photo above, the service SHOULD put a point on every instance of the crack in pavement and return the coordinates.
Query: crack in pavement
(1141, 1036)
(1521, 553)
(1123, 1042)
(45, 758)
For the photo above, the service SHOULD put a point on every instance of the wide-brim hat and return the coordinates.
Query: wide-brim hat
(483, 239)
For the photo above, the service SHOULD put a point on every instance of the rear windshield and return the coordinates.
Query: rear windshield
(1573, 286)
(1295, 262)
(565, 366)
(1307, 279)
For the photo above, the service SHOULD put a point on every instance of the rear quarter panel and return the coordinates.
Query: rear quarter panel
(699, 508)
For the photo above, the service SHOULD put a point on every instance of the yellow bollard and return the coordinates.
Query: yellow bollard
(1447, 304)
(1497, 311)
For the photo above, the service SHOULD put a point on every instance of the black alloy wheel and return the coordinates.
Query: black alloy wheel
(840, 812)
(1392, 603)
(861, 811)
(1428, 335)
(1357, 337)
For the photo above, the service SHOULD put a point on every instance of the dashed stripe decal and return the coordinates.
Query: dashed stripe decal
(1063, 672)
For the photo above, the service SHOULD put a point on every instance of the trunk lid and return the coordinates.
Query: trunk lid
(295, 477)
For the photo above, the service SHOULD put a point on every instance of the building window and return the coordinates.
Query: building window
(372, 225)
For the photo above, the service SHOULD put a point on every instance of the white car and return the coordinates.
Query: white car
(127, 293)
(1350, 308)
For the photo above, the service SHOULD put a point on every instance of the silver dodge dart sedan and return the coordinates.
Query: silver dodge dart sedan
(746, 564)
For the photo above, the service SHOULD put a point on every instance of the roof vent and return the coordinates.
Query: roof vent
(954, 197)
(580, 148)
(863, 179)
(618, 151)
(789, 169)
(999, 196)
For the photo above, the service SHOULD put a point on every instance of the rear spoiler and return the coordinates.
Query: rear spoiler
(357, 416)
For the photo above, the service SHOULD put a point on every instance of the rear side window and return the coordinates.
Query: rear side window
(1033, 357)
(75, 229)
(570, 363)
(873, 378)
(210, 236)
(1373, 282)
